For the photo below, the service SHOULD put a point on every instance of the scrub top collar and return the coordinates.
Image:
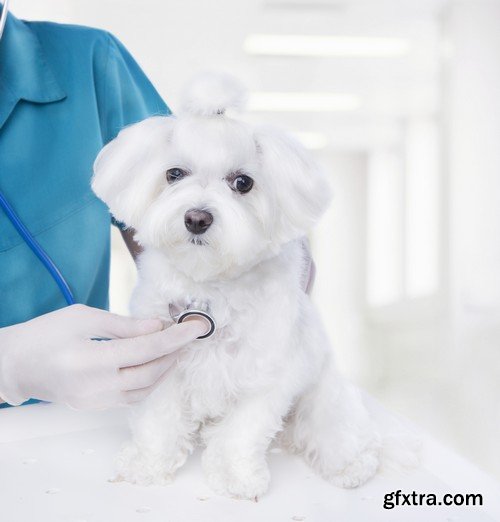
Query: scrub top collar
(25, 73)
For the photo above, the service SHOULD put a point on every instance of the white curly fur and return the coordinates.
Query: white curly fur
(268, 373)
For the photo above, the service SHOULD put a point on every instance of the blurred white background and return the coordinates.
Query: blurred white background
(400, 99)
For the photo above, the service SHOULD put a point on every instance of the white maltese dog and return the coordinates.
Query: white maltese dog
(220, 208)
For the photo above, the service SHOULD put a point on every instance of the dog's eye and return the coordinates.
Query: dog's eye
(175, 174)
(242, 183)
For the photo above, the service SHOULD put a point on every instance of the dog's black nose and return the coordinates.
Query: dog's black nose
(197, 221)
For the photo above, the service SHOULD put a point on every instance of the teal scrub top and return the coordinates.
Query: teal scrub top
(65, 91)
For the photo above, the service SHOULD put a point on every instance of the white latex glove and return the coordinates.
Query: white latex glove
(54, 358)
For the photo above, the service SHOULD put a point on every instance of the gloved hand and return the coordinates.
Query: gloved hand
(54, 358)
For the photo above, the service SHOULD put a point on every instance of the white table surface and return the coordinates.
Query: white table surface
(55, 464)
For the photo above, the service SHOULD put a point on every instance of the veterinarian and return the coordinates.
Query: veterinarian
(65, 91)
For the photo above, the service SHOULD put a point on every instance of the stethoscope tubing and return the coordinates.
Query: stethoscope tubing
(37, 249)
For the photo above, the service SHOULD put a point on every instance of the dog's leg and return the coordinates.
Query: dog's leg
(332, 429)
(234, 460)
(161, 439)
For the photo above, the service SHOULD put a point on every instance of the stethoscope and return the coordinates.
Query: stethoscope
(3, 18)
(45, 259)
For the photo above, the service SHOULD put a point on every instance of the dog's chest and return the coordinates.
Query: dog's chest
(214, 372)
(254, 315)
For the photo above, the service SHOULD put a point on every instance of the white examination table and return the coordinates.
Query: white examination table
(55, 464)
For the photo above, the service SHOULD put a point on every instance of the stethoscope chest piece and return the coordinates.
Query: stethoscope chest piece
(198, 313)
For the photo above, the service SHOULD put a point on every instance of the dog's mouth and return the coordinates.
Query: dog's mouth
(198, 241)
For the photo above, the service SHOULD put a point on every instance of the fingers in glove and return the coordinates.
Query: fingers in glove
(133, 396)
(144, 375)
(105, 324)
(140, 350)
(115, 326)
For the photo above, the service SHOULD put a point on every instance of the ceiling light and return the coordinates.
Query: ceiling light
(302, 102)
(312, 45)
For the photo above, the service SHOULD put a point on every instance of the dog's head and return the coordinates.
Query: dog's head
(215, 194)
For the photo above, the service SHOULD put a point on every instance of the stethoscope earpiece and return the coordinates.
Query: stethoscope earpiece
(3, 18)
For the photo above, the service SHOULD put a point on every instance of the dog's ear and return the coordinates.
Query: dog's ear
(300, 187)
(127, 171)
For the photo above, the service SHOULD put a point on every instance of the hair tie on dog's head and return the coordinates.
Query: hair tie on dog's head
(211, 94)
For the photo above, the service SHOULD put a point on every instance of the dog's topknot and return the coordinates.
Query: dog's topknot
(211, 93)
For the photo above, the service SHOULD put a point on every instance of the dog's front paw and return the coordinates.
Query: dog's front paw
(141, 467)
(236, 476)
(357, 472)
